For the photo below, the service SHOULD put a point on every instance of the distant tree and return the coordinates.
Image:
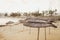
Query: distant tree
(18, 13)
(25, 14)
(43, 13)
(55, 11)
(6, 14)
(15, 14)
(12, 14)
(51, 12)
(36, 14)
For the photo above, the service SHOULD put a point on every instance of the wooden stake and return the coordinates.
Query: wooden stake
(49, 30)
(29, 30)
(38, 34)
(45, 33)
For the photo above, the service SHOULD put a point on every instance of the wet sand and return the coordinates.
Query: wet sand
(20, 32)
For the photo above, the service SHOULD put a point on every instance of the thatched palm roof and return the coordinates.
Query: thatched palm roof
(39, 22)
(2, 25)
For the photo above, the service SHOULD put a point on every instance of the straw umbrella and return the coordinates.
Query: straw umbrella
(38, 23)
(9, 23)
(2, 25)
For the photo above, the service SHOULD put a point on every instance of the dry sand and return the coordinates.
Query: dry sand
(20, 32)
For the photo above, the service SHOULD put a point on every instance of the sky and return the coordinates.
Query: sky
(28, 5)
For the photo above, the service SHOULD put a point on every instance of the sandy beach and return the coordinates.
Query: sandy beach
(20, 32)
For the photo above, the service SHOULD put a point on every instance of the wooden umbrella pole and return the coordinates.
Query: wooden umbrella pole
(38, 34)
(29, 30)
(45, 33)
(49, 30)
(23, 28)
